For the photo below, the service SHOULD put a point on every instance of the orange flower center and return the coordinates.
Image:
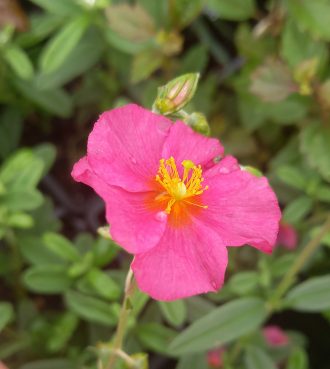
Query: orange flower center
(179, 189)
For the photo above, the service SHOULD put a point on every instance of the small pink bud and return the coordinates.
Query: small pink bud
(176, 94)
(275, 336)
(215, 358)
(287, 236)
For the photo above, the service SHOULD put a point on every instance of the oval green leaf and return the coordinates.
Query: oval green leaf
(6, 314)
(312, 295)
(47, 279)
(175, 312)
(92, 309)
(222, 325)
(256, 358)
(61, 45)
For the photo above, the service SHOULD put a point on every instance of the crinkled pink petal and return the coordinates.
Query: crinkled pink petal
(187, 261)
(184, 144)
(275, 336)
(242, 208)
(133, 225)
(287, 236)
(125, 146)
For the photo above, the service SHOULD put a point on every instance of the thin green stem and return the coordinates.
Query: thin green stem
(122, 322)
(303, 257)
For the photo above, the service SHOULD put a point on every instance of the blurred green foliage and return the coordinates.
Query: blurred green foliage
(265, 90)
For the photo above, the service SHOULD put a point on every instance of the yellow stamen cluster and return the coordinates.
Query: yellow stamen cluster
(180, 189)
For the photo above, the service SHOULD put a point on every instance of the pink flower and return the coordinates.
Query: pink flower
(275, 336)
(287, 236)
(2, 365)
(215, 358)
(171, 203)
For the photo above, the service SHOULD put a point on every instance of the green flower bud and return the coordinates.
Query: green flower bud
(198, 122)
(176, 94)
(254, 171)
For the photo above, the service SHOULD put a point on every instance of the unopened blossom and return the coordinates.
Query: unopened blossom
(174, 201)
(287, 236)
(215, 358)
(275, 336)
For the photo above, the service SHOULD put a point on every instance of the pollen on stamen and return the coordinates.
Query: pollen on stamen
(177, 188)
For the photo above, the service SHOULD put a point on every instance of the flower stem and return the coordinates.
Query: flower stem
(290, 276)
(122, 322)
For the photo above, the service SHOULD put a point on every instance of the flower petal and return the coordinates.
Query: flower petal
(133, 225)
(184, 144)
(226, 165)
(187, 261)
(125, 146)
(242, 208)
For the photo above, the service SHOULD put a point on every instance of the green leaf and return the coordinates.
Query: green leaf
(298, 359)
(81, 58)
(193, 361)
(47, 279)
(222, 325)
(139, 301)
(292, 176)
(104, 251)
(312, 295)
(144, 64)
(20, 220)
(243, 283)
(59, 7)
(236, 10)
(22, 200)
(81, 266)
(124, 45)
(154, 336)
(55, 101)
(282, 264)
(19, 62)
(256, 358)
(297, 209)
(55, 363)
(185, 11)
(61, 45)
(6, 314)
(313, 16)
(40, 27)
(174, 312)
(323, 193)
(315, 145)
(92, 309)
(34, 251)
(21, 171)
(198, 307)
(62, 331)
(297, 46)
(194, 61)
(61, 246)
(104, 285)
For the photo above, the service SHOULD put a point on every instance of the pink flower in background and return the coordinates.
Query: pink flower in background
(3, 366)
(287, 236)
(215, 358)
(275, 336)
(171, 203)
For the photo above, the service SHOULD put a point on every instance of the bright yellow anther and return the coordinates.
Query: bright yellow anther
(180, 189)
